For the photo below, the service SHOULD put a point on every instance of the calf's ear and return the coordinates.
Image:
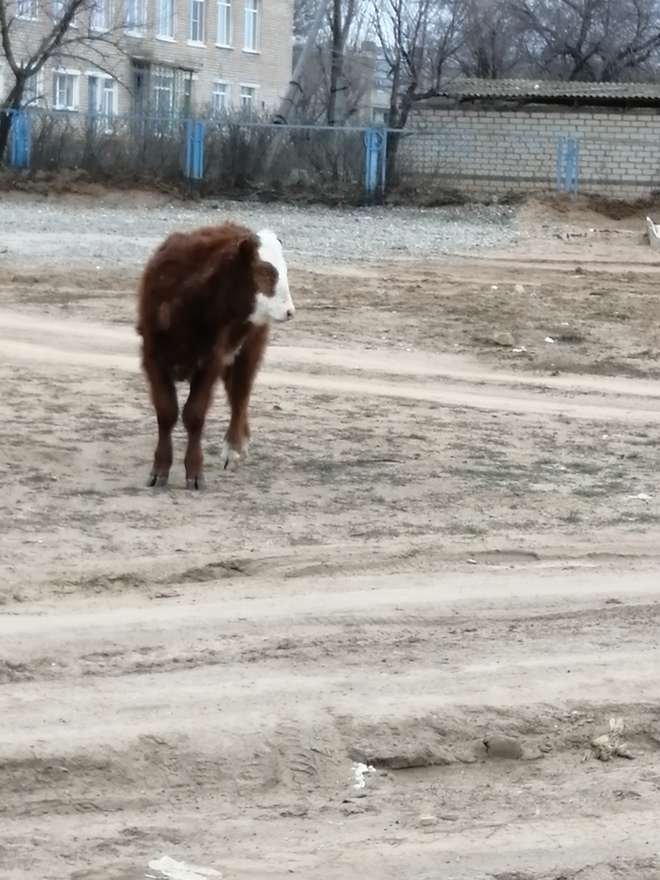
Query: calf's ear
(265, 277)
(247, 251)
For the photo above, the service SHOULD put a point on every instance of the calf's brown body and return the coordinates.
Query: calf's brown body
(195, 302)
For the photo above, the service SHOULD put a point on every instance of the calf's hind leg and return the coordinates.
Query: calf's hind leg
(163, 395)
(239, 379)
(194, 416)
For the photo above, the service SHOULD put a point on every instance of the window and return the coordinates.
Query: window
(33, 91)
(100, 20)
(162, 85)
(102, 99)
(134, 17)
(248, 98)
(220, 97)
(26, 9)
(59, 8)
(65, 90)
(183, 91)
(250, 42)
(196, 21)
(165, 19)
(224, 23)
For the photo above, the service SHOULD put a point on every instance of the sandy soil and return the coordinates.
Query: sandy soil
(447, 532)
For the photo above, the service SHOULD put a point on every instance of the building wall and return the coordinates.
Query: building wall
(490, 151)
(268, 69)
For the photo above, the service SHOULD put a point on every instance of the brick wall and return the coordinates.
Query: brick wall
(489, 151)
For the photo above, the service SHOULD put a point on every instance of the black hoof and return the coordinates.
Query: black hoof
(195, 483)
(157, 481)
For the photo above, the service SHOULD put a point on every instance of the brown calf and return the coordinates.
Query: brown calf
(204, 306)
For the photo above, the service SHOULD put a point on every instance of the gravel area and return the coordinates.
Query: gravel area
(81, 229)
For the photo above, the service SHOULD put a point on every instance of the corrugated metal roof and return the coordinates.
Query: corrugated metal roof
(547, 90)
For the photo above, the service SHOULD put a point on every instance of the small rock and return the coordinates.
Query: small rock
(499, 746)
(625, 794)
(428, 821)
(611, 745)
(351, 809)
(504, 339)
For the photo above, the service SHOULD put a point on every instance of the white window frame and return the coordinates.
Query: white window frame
(199, 39)
(57, 8)
(160, 35)
(37, 79)
(75, 90)
(251, 15)
(135, 29)
(252, 104)
(106, 7)
(27, 10)
(226, 93)
(104, 79)
(224, 10)
(170, 73)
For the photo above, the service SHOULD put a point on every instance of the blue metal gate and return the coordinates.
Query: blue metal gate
(193, 167)
(19, 138)
(375, 160)
(568, 165)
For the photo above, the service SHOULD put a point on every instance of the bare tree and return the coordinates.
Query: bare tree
(295, 89)
(332, 71)
(419, 39)
(59, 39)
(596, 40)
(342, 18)
(494, 40)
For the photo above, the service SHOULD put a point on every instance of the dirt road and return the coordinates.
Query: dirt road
(428, 549)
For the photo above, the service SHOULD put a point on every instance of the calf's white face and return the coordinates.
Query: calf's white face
(279, 306)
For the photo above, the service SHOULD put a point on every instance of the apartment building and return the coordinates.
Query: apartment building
(158, 57)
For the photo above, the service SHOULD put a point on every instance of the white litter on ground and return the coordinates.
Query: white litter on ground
(358, 774)
(167, 868)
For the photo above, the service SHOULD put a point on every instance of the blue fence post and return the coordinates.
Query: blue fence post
(568, 165)
(383, 162)
(194, 151)
(374, 152)
(20, 139)
(560, 163)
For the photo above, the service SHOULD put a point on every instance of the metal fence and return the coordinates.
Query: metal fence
(214, 153)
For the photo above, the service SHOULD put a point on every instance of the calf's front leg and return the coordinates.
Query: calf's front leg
(238, 379)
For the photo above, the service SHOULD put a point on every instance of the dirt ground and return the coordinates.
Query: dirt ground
(447, 533)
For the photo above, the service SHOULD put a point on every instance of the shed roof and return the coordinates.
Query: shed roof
(549, 91)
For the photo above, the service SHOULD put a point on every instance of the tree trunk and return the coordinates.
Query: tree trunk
(336, 62)
(293, 92)
(400, 105)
